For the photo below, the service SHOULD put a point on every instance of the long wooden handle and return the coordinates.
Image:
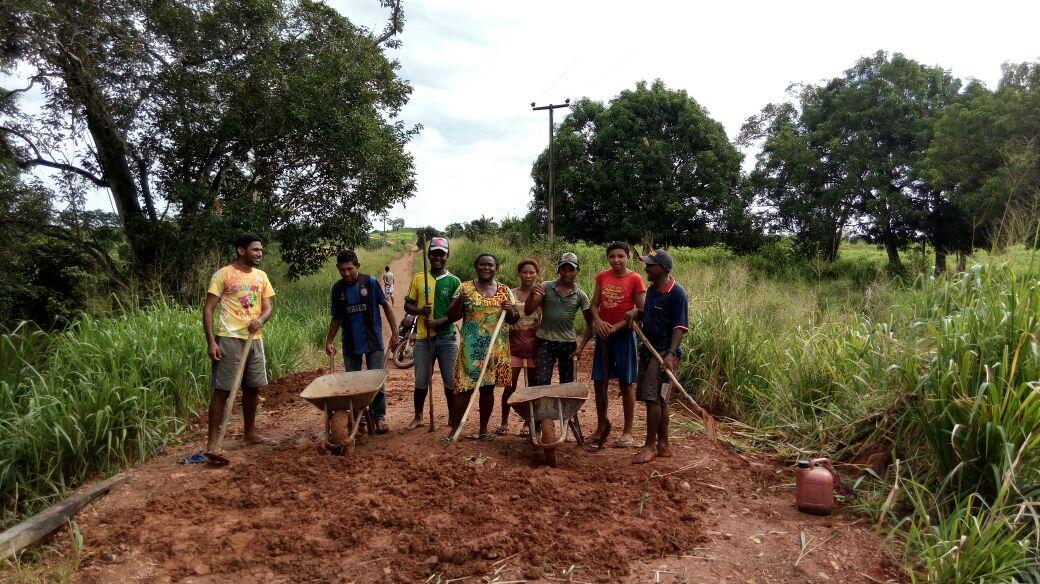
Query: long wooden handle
(429, 334)
(476, 387)
(709, 420)
(235, 387)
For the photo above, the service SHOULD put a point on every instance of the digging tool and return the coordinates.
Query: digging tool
(476, 387)
(214, 456)
(429, 333)
(708, 419)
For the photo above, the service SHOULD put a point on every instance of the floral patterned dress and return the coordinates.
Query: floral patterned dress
(480, 317)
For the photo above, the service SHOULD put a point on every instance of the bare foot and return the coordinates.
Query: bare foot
(626, 441)
(257, 439)
(415, 423)
(664, 451)
(644, 456)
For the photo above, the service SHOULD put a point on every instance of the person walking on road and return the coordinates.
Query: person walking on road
(356, 300)
(243, 292)
(388, 284)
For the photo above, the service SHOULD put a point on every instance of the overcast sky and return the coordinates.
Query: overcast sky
(476, 66)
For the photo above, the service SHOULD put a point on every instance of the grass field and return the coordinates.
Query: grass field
(112, 390)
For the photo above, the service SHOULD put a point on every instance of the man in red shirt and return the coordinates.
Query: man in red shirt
(618, 290)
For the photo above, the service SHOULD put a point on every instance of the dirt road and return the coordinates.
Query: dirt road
(403, 508)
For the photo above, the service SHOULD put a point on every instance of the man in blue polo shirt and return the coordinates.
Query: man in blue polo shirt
(665, 320)
(356, 299)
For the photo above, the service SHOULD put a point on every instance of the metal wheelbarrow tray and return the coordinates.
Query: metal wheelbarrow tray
(541, 405)
(352, 391)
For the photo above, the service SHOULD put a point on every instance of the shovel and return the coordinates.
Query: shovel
(215, 457)
(476, 387)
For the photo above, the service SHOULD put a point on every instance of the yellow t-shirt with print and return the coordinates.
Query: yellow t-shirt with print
(241, 294)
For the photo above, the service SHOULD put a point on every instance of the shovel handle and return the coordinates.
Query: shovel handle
(235, 387)
(709, 420)
(476, 387)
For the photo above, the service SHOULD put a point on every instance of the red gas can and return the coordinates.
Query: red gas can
(814, 486)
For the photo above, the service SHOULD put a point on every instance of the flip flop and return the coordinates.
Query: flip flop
(197, 458)
(502, 430)
(487, 437)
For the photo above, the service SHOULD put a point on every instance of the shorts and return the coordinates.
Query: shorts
(521, 361)
(654, 385)
(388, 289)
(255, 375)
(622, 360)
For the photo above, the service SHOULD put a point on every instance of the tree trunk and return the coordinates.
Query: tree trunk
(940, 261)
(113, 156)
(962, 261)
(893, 252)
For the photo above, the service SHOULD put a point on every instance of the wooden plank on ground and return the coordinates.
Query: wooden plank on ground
(42, 524)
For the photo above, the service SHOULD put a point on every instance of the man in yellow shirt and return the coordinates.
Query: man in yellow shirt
(244, 294)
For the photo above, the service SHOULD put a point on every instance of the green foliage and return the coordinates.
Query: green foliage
(848, 156)
(651, 161)
(986, 152)
(278, 116)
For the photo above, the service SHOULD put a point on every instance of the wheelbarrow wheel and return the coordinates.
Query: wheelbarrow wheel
(548, 436)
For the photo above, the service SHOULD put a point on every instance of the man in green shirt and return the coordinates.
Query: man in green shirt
(440, 287)
(560, 299)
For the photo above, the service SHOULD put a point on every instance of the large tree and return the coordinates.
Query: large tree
(847, 157)
(205, 117)
(986, 158)
(652, 161)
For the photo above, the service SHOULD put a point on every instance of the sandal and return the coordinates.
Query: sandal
(487, 437)
(502, 430)
(525, 432)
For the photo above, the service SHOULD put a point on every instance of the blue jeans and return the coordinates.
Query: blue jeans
(444, 351)
(373, 360)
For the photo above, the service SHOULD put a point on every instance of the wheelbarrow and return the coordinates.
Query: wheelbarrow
(541, 405)
(348, 393)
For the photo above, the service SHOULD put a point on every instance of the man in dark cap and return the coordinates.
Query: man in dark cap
(665, 320)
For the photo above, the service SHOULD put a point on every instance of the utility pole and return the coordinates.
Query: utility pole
(552, 198)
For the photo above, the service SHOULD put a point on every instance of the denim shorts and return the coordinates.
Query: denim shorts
(622, 360)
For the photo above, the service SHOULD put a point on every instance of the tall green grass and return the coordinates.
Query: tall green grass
(110, 391)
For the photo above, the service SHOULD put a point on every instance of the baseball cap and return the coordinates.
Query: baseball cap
(659, 257)
(440, 243)
(568, 258)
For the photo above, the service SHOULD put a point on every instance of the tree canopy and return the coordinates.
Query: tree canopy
(206, 118)
(650, 161)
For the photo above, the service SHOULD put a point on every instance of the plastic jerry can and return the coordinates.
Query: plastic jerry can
(814, 486)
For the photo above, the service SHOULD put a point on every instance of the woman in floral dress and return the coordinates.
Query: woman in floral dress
(480, 303)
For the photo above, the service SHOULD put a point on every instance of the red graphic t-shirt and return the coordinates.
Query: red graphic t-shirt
(617, 295)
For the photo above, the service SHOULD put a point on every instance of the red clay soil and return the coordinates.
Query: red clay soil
(403, 508)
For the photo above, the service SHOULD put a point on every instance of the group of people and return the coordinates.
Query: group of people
(536, 335)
